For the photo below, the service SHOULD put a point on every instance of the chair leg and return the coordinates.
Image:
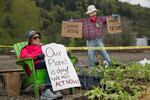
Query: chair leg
(71, 90)
(36, 90)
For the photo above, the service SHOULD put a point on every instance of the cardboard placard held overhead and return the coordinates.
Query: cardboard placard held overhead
(71, 29)
(114, 25)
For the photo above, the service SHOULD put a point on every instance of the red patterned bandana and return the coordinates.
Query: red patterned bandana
(93, 19)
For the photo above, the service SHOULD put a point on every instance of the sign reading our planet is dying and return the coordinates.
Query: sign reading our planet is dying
(114, 25)
(71, 29)
(60, 68)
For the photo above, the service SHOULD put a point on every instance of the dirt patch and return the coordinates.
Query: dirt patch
(145, 95)
(29, 95)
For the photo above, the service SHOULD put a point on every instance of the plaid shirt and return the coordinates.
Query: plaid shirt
(90, 31)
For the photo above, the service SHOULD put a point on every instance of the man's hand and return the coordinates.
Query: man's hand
(115, 16)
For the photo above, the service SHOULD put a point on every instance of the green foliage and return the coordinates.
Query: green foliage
(22, 17)
(46, 16)
(125, 82)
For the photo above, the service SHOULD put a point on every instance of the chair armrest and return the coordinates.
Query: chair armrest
(26, 61)
(23, 61)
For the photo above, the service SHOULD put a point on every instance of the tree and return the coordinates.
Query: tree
(71, 5)
(47, 4)
(7, 6)
(16, 18)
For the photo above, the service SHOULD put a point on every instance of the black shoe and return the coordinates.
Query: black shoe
(97, 63)
(117, 65)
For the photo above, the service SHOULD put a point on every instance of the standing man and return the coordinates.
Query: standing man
(93, 31)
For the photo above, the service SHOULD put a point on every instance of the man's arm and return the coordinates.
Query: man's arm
(79, 20)
(103, 18)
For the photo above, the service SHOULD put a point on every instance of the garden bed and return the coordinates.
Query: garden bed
(123, 82)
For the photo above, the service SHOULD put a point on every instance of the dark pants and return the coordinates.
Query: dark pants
(42, 65)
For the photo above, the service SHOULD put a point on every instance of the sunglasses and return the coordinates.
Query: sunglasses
(36, 37)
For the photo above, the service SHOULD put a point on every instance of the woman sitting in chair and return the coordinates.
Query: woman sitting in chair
(33, 50)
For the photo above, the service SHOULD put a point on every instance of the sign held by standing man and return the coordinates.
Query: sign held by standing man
(114, 25)
(71, 29)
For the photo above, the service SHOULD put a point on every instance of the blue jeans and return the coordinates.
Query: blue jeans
(42, 65)
(92, 54)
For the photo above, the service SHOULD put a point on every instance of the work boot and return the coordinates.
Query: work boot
(48, 95)
(105, 63)
(59, 95)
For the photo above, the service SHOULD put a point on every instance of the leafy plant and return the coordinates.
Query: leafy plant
(121, 83)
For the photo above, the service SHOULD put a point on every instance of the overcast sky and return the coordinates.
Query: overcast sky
(144, 3)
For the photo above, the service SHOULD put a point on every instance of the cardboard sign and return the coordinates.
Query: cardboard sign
(114, 25)
(71, 29)
(60, 69)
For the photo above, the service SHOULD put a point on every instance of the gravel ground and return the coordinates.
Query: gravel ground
(122, 57)
(8, 62)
